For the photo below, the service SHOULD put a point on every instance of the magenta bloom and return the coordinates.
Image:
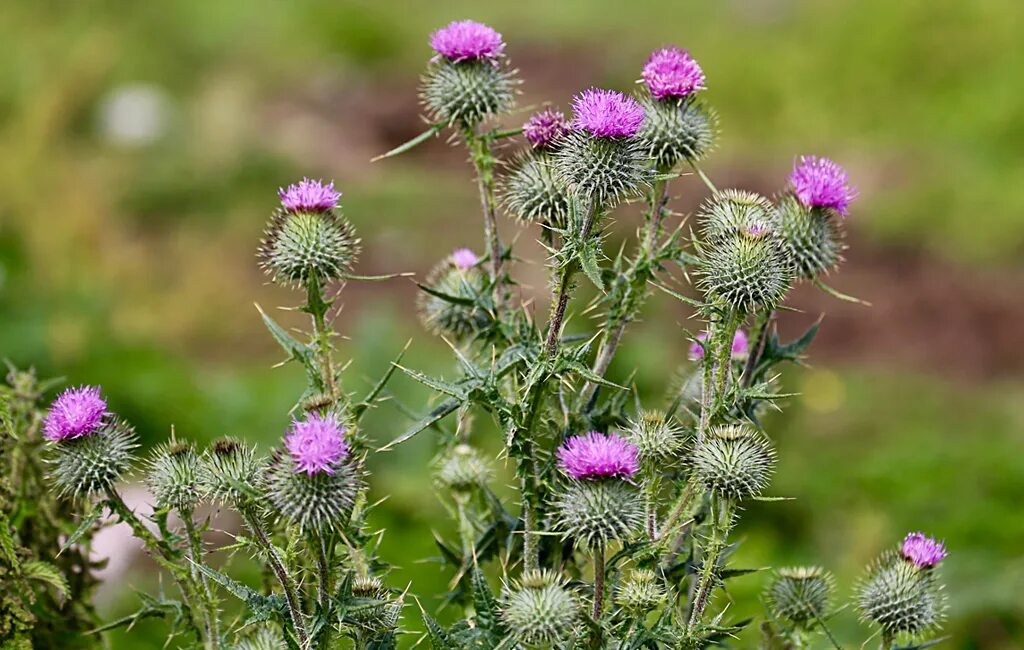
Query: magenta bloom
(821, 183)
(672, 72)
(598, 455)
(317, 444)
(467, 40)
(545, 127)
(309, 196)
(75, 413)
(740, 346)
(923, 551)
(464, 259)
(606, 114)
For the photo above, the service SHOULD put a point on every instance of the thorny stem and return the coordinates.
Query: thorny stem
(564, 288)
(278, 567)
(317, 308)
(706, 581)
(324, 585)
(706, 387)
(659, 196)
(887, 640)
(680, 507)
(721, 355)
(466, 533)
(598, 595)
(195, 550)
(762, 324)
(652, 483)
(483, 161)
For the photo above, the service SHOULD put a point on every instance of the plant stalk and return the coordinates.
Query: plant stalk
(483, 162)
(709, 563)
(278, 567)
(759, 335)
(195, 550)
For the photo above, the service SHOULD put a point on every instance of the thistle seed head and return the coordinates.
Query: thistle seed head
(172, 476)
(454, 318)
(466, 92)
(675, 130)
(657, 437)
(811, 237)
(539, 610)
(89, 464)
(463, 470)
(800, 595)
(230, 471)
(734, 462)
(534, 192)
(595, 513)
(299, 246)
(901, 597)
(643, 591)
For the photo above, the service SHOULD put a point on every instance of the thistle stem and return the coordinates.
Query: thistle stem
(652, 484)
(721, 351)
(679, 509)
(195, 552)
(317, 308)
(706, 580)
(483, 162)
(278, 567)
(659, 196)
(762, 323)
(706, 386)
(598, 594)
(564, 289)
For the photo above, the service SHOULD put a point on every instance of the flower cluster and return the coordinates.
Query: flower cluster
(467, 40)
(316, 444)
(598, 455)
(75, 413)
(672, 72)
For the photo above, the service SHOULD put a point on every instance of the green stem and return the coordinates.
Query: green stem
(719, 526)
(721, 352)
(651, 486)
(887, 641)
(323, 586)
(759, 339)
(564, 289)
(467, 536)
(317, 308)
(707, 396)
(598, 596)
(679, 509)
(278, 567)
(483, 162)
(195, 550)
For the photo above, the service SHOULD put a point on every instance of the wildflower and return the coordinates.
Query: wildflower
(75, 413)
(821, 183)
(924, 552)
(606, 114)
(464, 259)
(740, 346)
(467, 40)
(316, 444)
(539, 610)
(598, 455)
(309, 196)
(735, 462)
(672, 72)
(545, 127)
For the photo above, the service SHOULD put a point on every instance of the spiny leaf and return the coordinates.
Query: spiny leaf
(402, 148)
(359, 409)
(298, 351)
(83, 527)
(439, 412)
(447, 297)
(48, 574)
(7, 546)
(588, 262)
(484, 602)
(439, 637)
(438, 385)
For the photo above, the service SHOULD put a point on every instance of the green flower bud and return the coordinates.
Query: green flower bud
(372, 609)
(602, 171)
(463, 470)
(657, 437)
(230, 471)
(734, 462)
(454, 319)
(735, 212)
(643, 591)
(534, 192)
(173, 476)
(901, 597)
(539, 611)
(811, 237)
(466, 92)
(677, 129)
(800, 595)
(91, 464)
(595, 513)
(298, 246)
(745, 272)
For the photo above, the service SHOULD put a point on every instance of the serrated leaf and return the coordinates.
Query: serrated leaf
(296, 350)
(426, 422)
(485, 604)
(447, 297)
(83, 527)
(48, 574)
(588, 263)
(439, 637)
(439, 385)
(261, 607)
(7, 545)
(678, 296)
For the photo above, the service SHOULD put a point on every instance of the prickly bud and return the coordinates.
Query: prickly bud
(299, 246)
(901, 597)
(602, 171)
(534, 192)
(539, 611)
(734, 462)
(811, 237)
(463, 470)
(657, 436)
(173, 476)
(735, 212)
(454, 317)
(595, 513)
(643, 591)
(372, 609)
(93, 463)
(677, 129)
(745, 272)
(230, 471)
(466, 92)
(321, 501)
(800, 595)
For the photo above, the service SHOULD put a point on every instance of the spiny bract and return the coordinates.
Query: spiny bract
(300, 246)
(91, 464)
(733, 212)
(657, 436)
(533, 191)
(811, 236)
(800, 595)
(734, 462)
(172, 476)
(319, 502)
(677, 129)
(602, 171)
(745, 272)
(463, 469)
(465, 93)
(901, 597)
(230, 471)
(539, 611)
(454, 318)
(595, 513)
(643, 591)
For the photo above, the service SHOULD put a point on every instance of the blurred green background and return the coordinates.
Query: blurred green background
(141, 145)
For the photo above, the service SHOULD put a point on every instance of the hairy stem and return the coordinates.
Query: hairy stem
(659, 196)
(759, 339)
(195, 552)
(707, 396)
(285, 580)
(466, 533)
(679, 509)
(317, 308)
(483, 162)
(564, 289)
(719, 526)
(721, 354)
(652, 484)
(598, 593)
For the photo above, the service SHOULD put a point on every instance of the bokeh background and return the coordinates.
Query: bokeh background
(141, 145)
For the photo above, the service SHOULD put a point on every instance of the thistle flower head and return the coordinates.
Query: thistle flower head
(735, 212)
(230, 471)
(672, 72)
(745, 271)
(539, 610)
(900, 597)
(800, 595)
(92, 463)
(656, 436)
(463, 469)
(734, 461)
(821, 183)
(677, 129)
(811, 237)
(534, 192)
(606, 114)
(924, 552)
(173, 475)
(545, 127)
(464, 259)
(643, 591)
(316, 444)
(595, 513)
(75, 413)
(309, 196)
(467, 40)
(598, 456)
(740, 346)
(452, 317)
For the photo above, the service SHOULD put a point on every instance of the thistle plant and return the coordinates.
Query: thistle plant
(620, 533)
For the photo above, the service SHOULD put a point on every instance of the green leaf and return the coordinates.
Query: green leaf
(485, 604)
(48, 574)
(262, 607)
(296, 350)
(7, 546)
(83, 527)
(678, 296)
(588, 262)
(438, 385)
(923, 644)
(359, 409)
(420, 139)
(439, 637)
(377, 278)
(447, 297)
(439, 412)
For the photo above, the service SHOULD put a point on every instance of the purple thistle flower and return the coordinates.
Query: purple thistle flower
(467, 40)
(598, 455)
(923, 551)
(672, 72)
(75, 413)
(464, 259)
(606, 114)
(316, 444)
(545, 127)
(740, 346)
(309, 196)
(821, 183)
